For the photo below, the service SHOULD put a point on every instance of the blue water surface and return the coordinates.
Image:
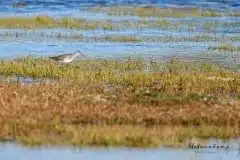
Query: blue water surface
(10, 151)
(33, 6)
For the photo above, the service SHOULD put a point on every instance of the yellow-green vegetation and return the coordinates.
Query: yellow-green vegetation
(79, 23)
(226, 47)
(49, 22)
(151, 11)
(78, 135)
(67, 22)
(107, 69)
(113, 102)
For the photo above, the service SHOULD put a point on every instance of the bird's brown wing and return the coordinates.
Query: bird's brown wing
(54, 58)
(60, 57)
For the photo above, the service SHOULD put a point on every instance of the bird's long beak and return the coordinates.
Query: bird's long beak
(80, 53)
(83, 55)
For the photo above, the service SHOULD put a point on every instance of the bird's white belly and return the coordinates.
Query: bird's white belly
(66, 60)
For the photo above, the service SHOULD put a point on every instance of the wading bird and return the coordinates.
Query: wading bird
(66, 58)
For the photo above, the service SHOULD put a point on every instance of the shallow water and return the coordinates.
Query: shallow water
(56, 5)
(32, 43)
(100, 49)
(25, 80)
(62, 153)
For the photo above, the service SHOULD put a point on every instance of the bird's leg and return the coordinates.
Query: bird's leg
(60, 65)
(68, 64)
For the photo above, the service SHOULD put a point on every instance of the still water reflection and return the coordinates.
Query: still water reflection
(11, 151)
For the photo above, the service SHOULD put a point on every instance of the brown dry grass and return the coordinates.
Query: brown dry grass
(129, 108)
(117, 135)
(76, 104)
(96, 115)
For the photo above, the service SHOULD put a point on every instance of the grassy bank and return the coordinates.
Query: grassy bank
(110, 136)
(50, 22)
(112, 103)
(116, 71)
(151, 11)
(41, 21)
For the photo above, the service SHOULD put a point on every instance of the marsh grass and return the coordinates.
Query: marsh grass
(176, 79)
(152, 11)
(80, 23)
(49, 22)
(109, 136)
(104, 69)
(176, 100)
(69, 113)
(118, 103)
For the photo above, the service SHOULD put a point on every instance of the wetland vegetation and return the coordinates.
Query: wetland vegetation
(104, 102)
(133, 102)
(43, 21)
(152, 11)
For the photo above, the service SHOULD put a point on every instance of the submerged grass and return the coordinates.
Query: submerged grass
(122, 39)
(75, 36)
(112, 103)
(226, 47)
